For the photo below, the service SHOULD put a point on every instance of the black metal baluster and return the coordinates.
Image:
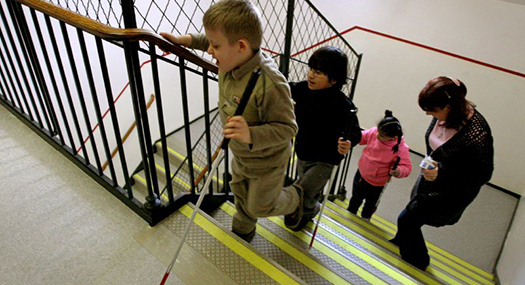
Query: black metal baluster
(207, 122)
(32, 61)
(53, 81)
(113, 112)
(80, 94)
(160, 115)
(67, 91)
(13, 87)
(96, 105)
(186, 115)
(7, 95)
(284, 65)
(139, 107)
(38, 120)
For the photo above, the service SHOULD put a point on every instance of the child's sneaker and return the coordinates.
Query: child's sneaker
(293, 220)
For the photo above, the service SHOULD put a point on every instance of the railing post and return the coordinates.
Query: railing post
(128, 13)
(354, 80)
(141, 117)
(284, 64)
(207, 122)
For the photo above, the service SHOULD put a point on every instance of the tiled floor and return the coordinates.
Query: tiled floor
(58, 226)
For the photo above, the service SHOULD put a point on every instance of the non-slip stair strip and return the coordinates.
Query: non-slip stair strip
(386, 254)
(433, 250)
(324, 230)
(341, 259)
(380, 237)
(286, 248)
(240, 248)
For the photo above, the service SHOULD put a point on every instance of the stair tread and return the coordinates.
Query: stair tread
(228, 252)
(444, 263)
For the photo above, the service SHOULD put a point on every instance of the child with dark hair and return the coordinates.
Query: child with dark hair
(384, 144)
(323, 113)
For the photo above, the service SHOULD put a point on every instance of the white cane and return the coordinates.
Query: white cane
(224, 146)
(327, 188)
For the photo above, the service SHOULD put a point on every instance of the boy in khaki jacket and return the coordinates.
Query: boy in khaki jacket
(261, 138)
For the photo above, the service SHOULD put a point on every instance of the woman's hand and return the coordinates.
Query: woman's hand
(343, 147)
(431, 174)
(237, 128)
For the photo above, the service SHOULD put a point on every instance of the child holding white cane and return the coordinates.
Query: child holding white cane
(384, 144)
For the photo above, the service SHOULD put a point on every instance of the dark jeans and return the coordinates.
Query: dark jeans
(312, 176)
(363, 190)
(410, 239)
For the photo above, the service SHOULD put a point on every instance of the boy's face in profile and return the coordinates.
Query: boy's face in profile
(228, 56)
(318, 80)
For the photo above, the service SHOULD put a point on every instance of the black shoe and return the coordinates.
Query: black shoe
(307, 218)
(341, 195)
(394, 241)
(293, 220)
(247, 237)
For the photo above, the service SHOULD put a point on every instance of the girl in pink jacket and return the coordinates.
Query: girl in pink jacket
(384, 144)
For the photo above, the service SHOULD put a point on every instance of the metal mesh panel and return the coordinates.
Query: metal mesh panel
(107, 12)
(311, 32)
(173, 16)
(200, 157)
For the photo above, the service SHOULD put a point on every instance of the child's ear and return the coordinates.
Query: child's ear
(243, 45)
(333, 81)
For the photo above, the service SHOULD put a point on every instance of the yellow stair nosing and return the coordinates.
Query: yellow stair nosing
(265, 266)
(381, 240)
(386, 256)
(391, 228)
(349, 264)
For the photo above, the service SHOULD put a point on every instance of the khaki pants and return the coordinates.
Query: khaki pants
(260, 193)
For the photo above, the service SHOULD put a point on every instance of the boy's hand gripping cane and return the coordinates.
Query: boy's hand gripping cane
(328, 186)
(396, 163)
(224, 146)
(346, 163)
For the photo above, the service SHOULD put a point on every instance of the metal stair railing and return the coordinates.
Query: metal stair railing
(46, 46)
(293, 29)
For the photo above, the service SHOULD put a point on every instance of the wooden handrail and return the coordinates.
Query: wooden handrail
(110, 33)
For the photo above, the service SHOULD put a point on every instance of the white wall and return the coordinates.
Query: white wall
(511, 266)
(393, 73)
(491, 31)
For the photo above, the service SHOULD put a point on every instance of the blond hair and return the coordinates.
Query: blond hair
(236, 19)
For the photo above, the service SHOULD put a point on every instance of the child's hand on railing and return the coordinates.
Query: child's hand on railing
(184, 40)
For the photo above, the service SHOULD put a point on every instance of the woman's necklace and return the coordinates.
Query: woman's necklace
(441, 129)
(440, 135)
